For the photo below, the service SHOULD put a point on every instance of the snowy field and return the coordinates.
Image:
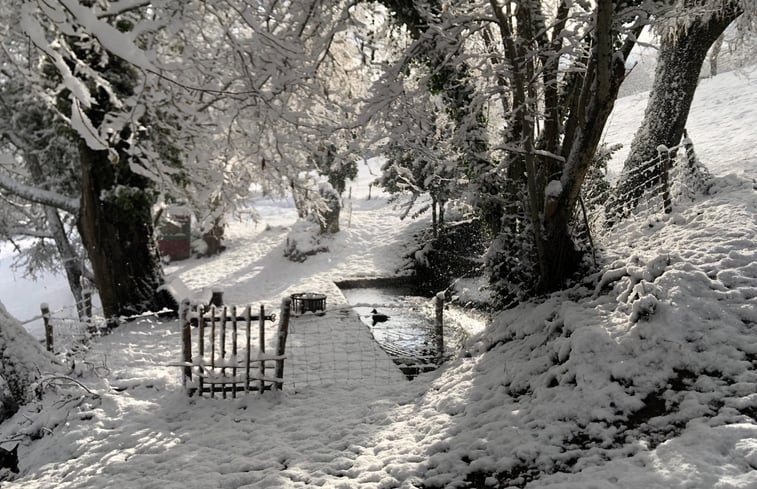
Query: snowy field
(641, 377)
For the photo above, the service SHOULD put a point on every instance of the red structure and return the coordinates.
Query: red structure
(175, 235)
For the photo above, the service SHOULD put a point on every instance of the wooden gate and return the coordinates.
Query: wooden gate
(225, 359)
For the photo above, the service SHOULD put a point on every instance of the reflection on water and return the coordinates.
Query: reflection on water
(403, 324)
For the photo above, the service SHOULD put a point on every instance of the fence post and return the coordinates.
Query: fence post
(248, 345)
(664, 154)
(691, 157)
(216, 299)
(87, 293)
(201, 346)
(48, 326)
(439, 330)
(186, 341)
(223, 350)
(261, 347)
(286, 306)
(234, 349)
(87, 309)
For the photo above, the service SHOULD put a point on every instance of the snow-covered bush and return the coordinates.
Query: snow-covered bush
(21, 361)
(328, 213)
(304, 239)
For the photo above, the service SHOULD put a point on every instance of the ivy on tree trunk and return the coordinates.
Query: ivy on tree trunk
(116, 227)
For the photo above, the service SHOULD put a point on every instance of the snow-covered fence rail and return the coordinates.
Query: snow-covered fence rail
(229, 354)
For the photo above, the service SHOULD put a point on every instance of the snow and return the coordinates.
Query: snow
(718, 124)
(553, 190)
(642, 376)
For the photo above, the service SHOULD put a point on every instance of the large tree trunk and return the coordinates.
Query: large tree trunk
(679, 63)
(115, 224)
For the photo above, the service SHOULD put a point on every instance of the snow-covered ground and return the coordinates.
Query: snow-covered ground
(719, 123)
(643, 376)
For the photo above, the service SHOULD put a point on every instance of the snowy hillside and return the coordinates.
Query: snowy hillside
(643, 376)
(720, 123)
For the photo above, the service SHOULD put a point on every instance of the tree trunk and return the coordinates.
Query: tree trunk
(679, 63)
(559, 257)
(70, 259)
(115, 225)
(72, 262)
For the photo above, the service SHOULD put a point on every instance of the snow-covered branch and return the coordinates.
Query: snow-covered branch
(39, 196)
(28, 232)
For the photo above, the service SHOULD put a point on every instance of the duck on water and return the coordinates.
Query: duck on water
(377, 317)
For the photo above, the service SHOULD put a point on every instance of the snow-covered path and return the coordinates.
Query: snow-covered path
(145, 433)
(646, 381)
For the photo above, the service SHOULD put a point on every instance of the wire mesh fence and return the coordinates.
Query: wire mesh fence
(226, 346)
(359, 344)
(652, 188)
(66, 332)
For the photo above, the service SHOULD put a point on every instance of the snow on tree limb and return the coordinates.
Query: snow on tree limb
(39, 196)
(32, 27)
(82, 125)
(119, 7)
(112, 39)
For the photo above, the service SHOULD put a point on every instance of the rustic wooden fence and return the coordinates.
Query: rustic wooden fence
(68, 328)
(218, 354)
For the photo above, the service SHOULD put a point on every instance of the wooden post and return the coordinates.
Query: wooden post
(261, 343)
(247, 314)
(212, 349)
(439, 328)
(48, 326)
(286, 306)
(186, 341)
(664, 167)
(201, 345)
(691, 157)
(234, 349)
(223, 350)
(87, 293)
(216, 299)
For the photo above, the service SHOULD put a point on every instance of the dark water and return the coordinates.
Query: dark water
(408, 334)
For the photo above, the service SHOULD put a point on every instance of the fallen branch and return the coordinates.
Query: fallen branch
(53, 378)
